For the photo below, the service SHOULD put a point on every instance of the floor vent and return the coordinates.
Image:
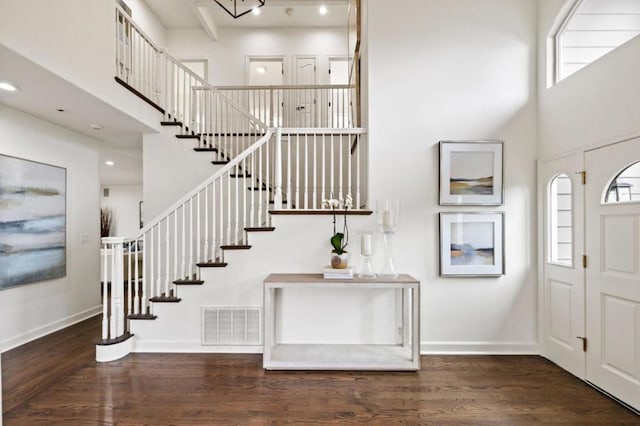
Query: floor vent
(231, 326)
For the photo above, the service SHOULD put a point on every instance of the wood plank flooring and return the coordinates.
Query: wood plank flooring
(43, 385)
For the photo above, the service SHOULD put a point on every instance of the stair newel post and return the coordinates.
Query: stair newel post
(116, 301)
(167, 257)
(277, 199)
(105, 288)
(271, 108)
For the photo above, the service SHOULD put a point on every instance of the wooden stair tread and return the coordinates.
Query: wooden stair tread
(259, 188)
(142, 317)
(170, 123)
(187, 136)
(165, 299)
(236, 247)
(207, 149)
(212, 264)
(106, 342)
(220, 162)
(189, 282)
(240, 175)
(321, 212)
(260, 229)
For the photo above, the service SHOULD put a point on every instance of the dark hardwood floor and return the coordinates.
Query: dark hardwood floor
(55, 381)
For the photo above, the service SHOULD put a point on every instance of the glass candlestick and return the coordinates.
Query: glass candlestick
(366, 250)
(387, 214)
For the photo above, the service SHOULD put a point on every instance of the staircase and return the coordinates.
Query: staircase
(261, 171)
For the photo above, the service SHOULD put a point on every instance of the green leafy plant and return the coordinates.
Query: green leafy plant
(339, 240)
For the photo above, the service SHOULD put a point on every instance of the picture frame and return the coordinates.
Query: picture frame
(33, 222)
(472, 244)
(471, 173)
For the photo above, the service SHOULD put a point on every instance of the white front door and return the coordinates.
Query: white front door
(563, 327)
(613, 272)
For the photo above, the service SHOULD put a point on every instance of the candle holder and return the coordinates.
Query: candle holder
(388, 214)
(366, 250)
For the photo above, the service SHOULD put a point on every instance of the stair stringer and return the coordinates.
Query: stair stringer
(299, 244)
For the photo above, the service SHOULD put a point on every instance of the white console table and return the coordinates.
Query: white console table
(394, 357)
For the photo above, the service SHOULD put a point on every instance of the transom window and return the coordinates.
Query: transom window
(592, 29)
(625, 186)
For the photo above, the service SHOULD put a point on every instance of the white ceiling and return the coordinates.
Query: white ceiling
(303, 13)
(42, 94)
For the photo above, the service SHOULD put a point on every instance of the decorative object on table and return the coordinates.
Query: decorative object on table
(388, 215)
(338, 274)
(366, 250)
(339, 240)
(33, 221)
(471, 173)
(471, 244)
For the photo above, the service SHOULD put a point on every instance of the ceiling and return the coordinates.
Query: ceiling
(44, 94)
(175, 14)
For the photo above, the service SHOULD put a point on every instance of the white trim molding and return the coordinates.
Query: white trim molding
(52, 327)
(479, 348)
(192, 347)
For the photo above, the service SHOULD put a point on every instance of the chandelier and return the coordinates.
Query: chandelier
(237, 8)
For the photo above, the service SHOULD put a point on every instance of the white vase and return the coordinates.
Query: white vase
(339, 261)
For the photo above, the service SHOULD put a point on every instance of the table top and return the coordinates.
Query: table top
(318, 278)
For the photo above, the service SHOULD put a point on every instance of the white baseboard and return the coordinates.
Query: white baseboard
(479, 348)
(192, 347)
(54, 326)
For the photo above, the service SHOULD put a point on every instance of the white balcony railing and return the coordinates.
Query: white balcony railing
(328, 106)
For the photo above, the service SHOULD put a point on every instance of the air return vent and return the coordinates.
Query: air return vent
(231, 326)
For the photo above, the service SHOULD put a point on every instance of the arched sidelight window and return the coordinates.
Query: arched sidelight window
(625, 186)
(560, 220)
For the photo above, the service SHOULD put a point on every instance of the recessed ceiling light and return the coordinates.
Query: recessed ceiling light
(109, 163)
(323, 10)
(261, 70)
(9, 87)
(60, 110)
(95, 126)
(255, 11)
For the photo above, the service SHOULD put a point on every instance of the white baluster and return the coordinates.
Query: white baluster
(105, 289)
(306, 170)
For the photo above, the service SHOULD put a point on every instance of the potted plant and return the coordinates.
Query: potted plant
(339, 240)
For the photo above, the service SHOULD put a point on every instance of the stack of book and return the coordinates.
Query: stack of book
(338, 274)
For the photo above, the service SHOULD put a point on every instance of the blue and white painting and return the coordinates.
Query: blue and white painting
(32, 222)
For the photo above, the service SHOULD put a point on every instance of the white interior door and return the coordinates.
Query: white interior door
(613, 274)
(305, 99)
(563, 288)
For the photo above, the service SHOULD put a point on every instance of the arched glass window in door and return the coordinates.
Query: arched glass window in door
(560, 220)
(625, 186)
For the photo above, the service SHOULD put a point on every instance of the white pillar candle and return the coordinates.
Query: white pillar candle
(387, 223)
(366, 247)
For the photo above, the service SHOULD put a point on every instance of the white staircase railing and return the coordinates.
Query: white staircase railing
(285, 168)
(205, 114)
(324, 106)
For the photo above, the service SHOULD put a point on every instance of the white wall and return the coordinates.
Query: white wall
(457, 70)
(148, 22)
(124, 201)
(596, 105)
(74, 42)
(170, 169)
(32, 310)
(227, 56)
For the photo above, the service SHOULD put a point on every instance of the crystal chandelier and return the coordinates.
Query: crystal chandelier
(237, 8)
